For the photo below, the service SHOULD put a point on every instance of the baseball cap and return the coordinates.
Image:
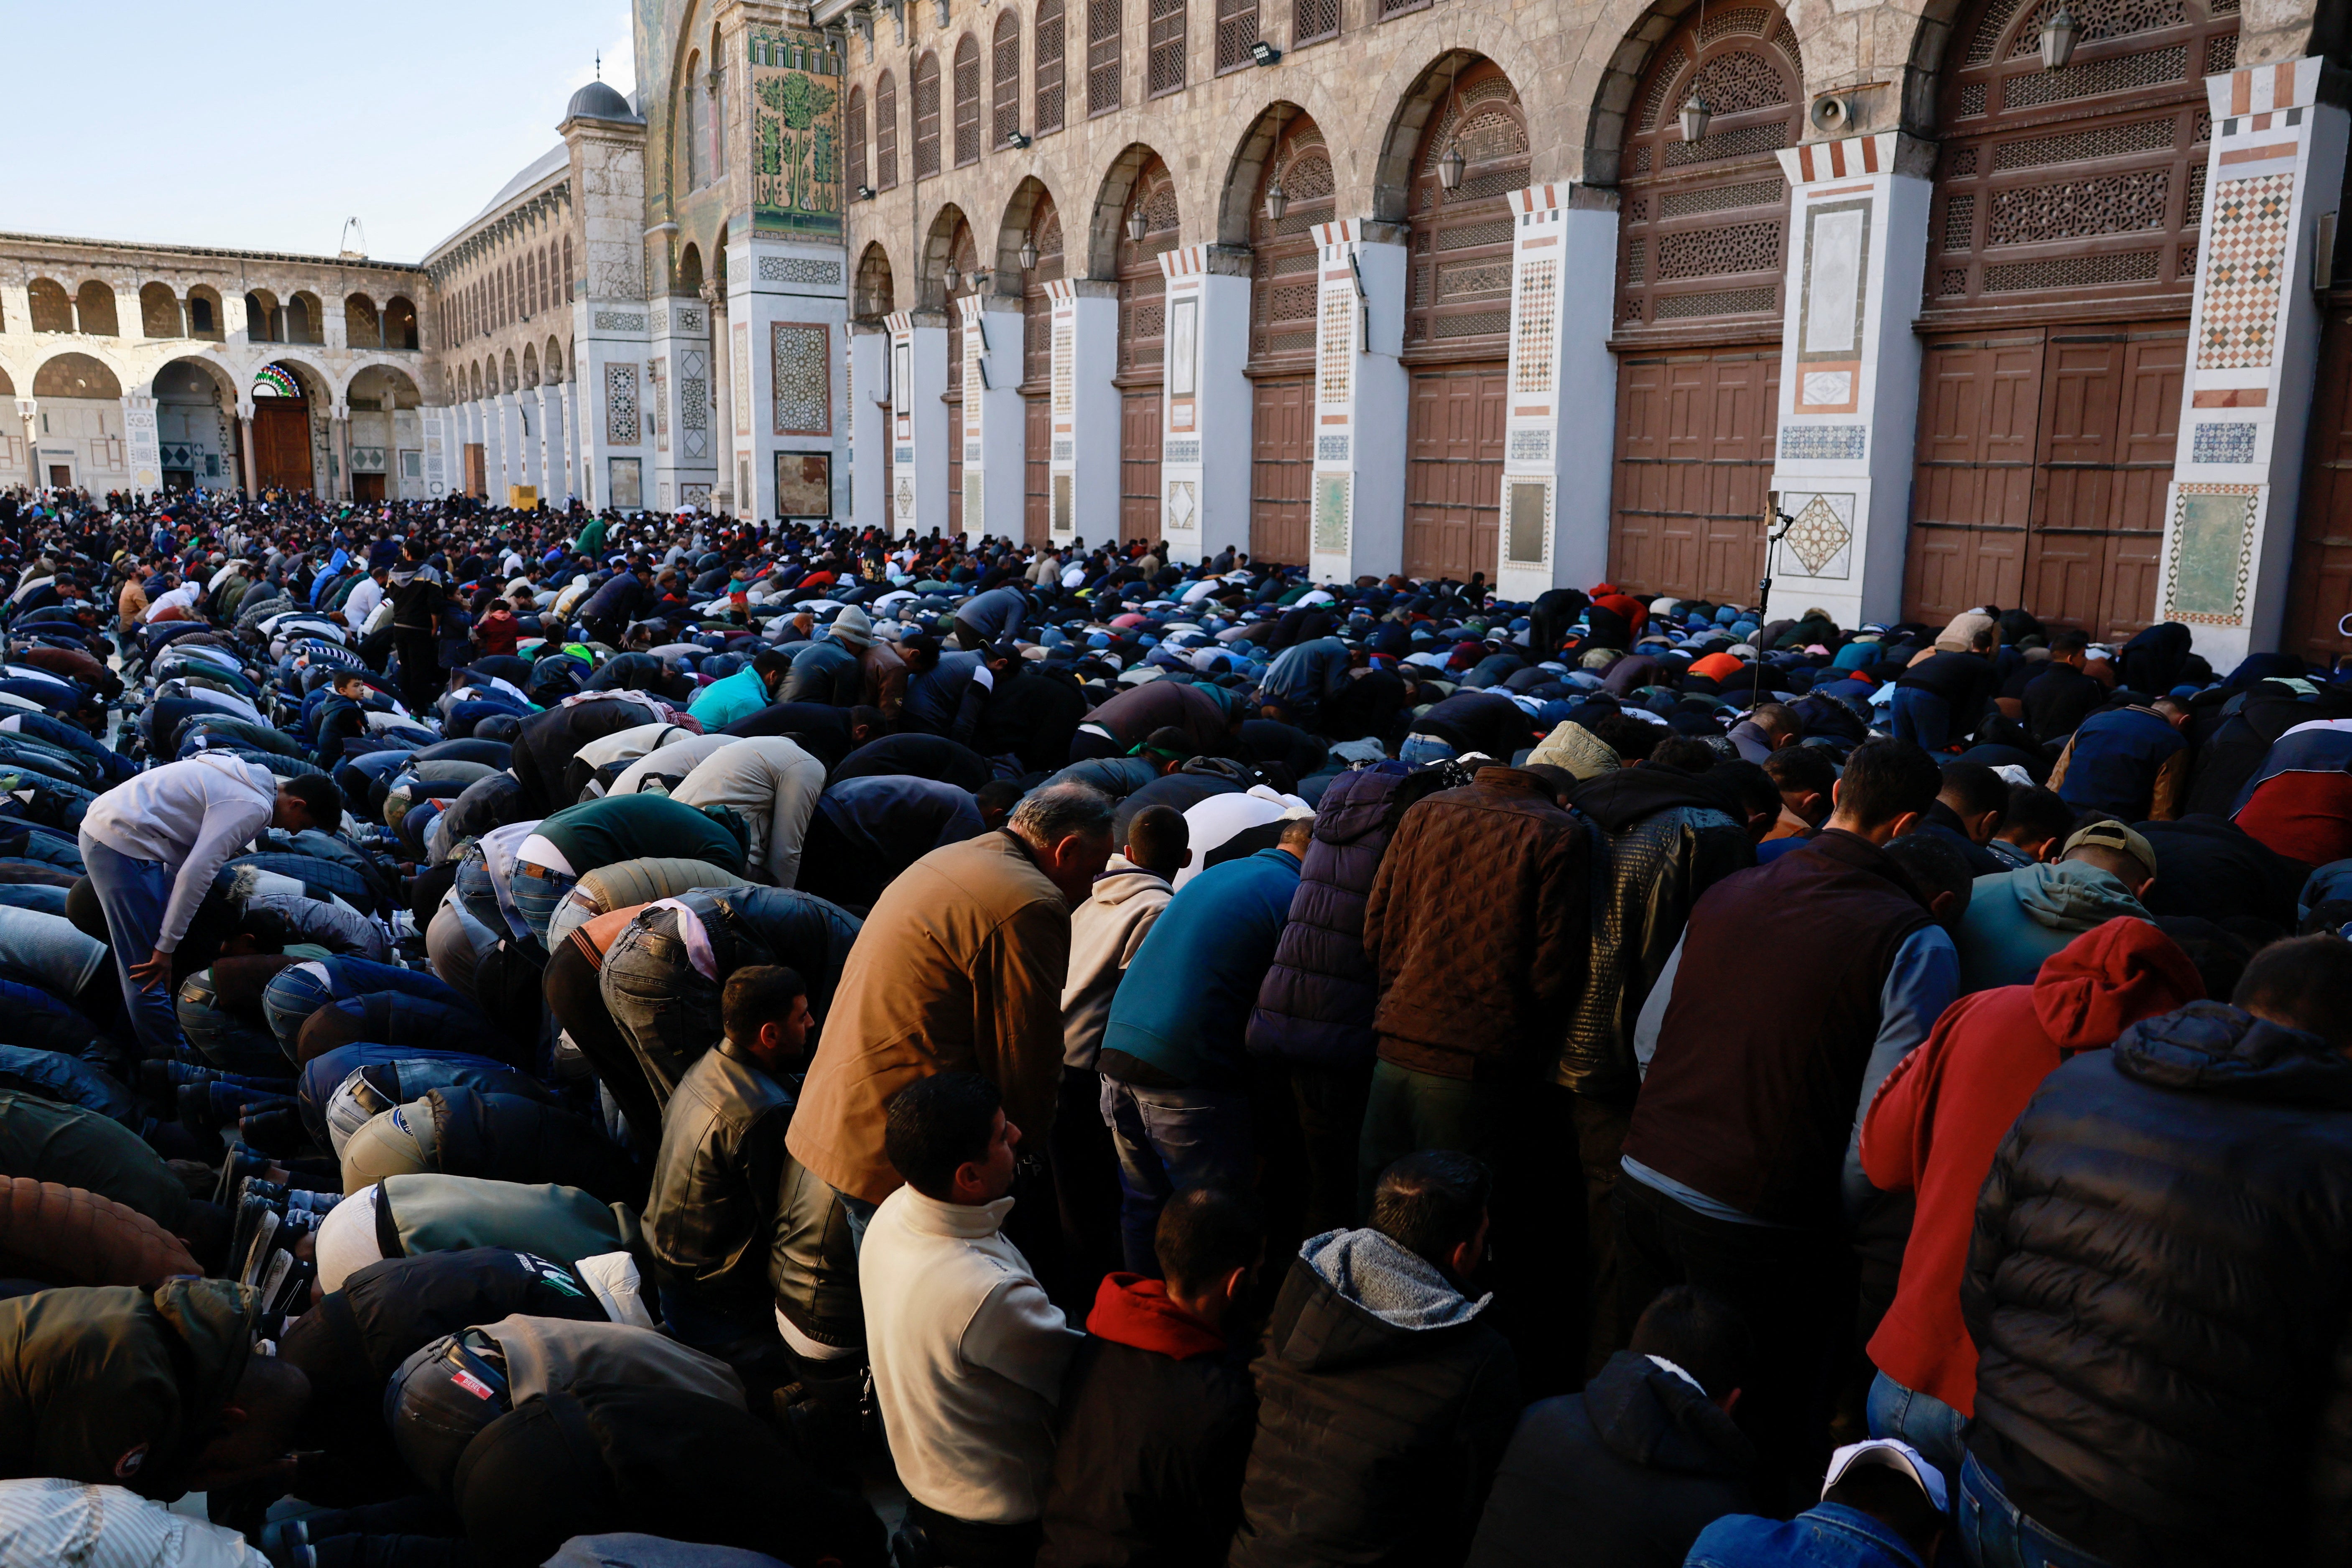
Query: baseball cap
(1895, 1454)
(2112, 835)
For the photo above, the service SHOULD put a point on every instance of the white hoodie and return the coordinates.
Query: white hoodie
(192, 817)
(1105, 933)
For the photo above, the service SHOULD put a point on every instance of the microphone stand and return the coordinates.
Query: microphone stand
(1764, 589)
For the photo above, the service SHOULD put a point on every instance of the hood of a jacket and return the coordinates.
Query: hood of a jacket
(1371, 1297)
(2212, 1047)
(2109, 978)
(2069, 895)
(1618, 800)
(1121, 880)
(214, 1322)
(1356, 803)
(1648, 1416)
(1132, 1311)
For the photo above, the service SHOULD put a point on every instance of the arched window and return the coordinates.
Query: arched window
(1102, 56)
(967, 102)
(698, 123)
(360, 330)
(297, 320)
(854, 129)
(159, 311)
(717, 113)
(95, 305)
(399, 323)
(886, 133)
(52, 306)
(927, 116)
(1005, 84)
(567, 269)
(1164, 47)
(204, 314)
(1052, 40)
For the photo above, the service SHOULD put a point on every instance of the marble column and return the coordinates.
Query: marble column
(1207, 405)
(919, 384)
(1356, 526)
(250, 476)
(995, 428)
(869, 425)
(1084, 502)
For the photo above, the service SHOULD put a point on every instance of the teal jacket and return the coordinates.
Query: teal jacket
(2017, 919)
(729, 698)
(1183, 1006)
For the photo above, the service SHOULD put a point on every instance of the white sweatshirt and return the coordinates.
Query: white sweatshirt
(968, 1357)
(772, 785)
(194, 817)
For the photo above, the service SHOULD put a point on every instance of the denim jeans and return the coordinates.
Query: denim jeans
(223, 1039)
(860, 1214)
(133, 894)
(1419, 749)
(536, 892)
(294, 994)
(1168, 1140)
(1922, 717)
(1994, 1534)
(57, 957)
(1922, 1420)
(667, 1012)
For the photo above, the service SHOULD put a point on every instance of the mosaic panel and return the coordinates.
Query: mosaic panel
(800, 356)
(2224, 441)
(1064, 451)
(798, 269)
(1183, 512)
(1180, 450)
(1339, 345)
(1539, 291)
(2212, 554)
(1065, 366)
(1530, 447)
(2244, 253)
(694, 402)
(1527, 531)
(1330, 448)
(621, 404)
(741, 378)
(1821, 537)
(1331, 512)
(620, 322)
(1824, 443)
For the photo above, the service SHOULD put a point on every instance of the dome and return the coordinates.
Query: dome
(598, 100)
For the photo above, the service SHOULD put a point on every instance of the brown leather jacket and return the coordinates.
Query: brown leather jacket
(885, 678)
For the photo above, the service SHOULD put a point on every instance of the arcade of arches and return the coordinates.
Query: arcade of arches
(1341, 345)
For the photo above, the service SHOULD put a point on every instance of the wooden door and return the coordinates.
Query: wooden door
(1453, 471)
(281, 444)
(1036, 470)
(477, 471)
(1281, 469)
(1694, 447)
(367, 487)
(1139, 464)
(2322, 595)
(955, 466)
(1972, 488)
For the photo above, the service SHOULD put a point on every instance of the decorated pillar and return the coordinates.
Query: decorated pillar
(435, 422)
(1205, 436)
(869, 425)
(731, 418)
(1850, 373)
(1562, 415)
(339, 450)
(995, 428)
(2276, 165)
(146, 452)
(1083, 460)
(248, 477)
(498, 457)
(918, 421)
(1357, 525)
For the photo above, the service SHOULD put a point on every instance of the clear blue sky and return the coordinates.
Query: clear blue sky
(263, 124)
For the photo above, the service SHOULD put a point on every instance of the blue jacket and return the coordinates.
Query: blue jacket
(2017, 919)
(723, 702)
(1827, 1535)
(1307, 675)
(2113, 762)
(1185, 1001)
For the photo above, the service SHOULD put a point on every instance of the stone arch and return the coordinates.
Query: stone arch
(475, 382)
(159, 311)
(530, 365)
(7, 385)
(949, 241)
(400, 323)
(79, 375)
(361, 330)
(1112, 197)
(51, 305)
(1030, 205)
(1245, 172)
(871, 295)
(94, 309)
(318, 385)
(507, 381)
(260, 316)
(688, 276)
(306, 319)
(1422, 103)
(224, 381)
(551, 363)
(375, 377)
(205, 316)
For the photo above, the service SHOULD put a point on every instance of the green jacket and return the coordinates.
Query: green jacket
(454, 1214)
(78, 1148)
(116, 1386)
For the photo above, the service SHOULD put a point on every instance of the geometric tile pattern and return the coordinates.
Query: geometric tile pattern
(1331, 511)
(1537, 307)
(1831, 443)
(801, 353)
(1181, 451)
(1530, 445)
(2243, 259)
(1331, 449)
(621, 404)
(620, 322)
(1338, 344)
(1819, 535)
(798, 269)
(2212, 553)
(2229, 441)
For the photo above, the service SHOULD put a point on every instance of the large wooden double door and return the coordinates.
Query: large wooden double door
(281, 444)
(1695, 444)
(2043, 459)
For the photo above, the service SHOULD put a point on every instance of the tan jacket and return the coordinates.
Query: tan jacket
(958, 968)
(884, 675)
(131, 603)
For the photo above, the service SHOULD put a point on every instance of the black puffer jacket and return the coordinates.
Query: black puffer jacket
(1623, 1475)
(1660, 839)
(2159, 1286)
(1315, 1005)
(1376, 1440)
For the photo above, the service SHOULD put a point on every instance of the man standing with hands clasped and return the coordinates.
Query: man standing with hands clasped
(151, 846)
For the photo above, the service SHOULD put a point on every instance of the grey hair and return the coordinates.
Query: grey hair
(1046, 817)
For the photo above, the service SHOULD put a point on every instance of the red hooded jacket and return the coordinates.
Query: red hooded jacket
(1942, 1113)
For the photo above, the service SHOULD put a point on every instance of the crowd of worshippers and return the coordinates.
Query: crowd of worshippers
(548, 1038)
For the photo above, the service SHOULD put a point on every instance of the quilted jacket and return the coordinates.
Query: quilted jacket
(70, 1235)
(1478, 926)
